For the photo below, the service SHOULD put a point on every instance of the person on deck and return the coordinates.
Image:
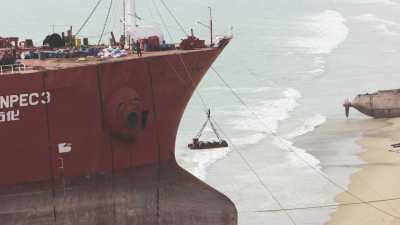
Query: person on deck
(138, 49)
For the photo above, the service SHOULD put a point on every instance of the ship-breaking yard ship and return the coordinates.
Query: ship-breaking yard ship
(88, 135)
(380, 104)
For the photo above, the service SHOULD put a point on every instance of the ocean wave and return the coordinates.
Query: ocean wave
(385, 2)
(205, 159)
(373, 18)
(319, 65)
(271, 112)
(328, 31)
(309, 125)
(249, 139)
(252, 90)
(384, 26)
(299, 156)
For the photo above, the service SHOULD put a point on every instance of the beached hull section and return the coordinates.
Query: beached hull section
(382, 104)
(147, 195)
(95, 145)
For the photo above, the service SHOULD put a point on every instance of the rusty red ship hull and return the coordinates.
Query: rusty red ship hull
(94, 143)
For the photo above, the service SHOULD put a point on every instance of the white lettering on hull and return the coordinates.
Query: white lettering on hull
(10, 105)
(9, 116)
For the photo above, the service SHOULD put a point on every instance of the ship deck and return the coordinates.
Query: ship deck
(32, 65)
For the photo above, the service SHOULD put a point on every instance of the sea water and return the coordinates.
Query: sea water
(292, 62)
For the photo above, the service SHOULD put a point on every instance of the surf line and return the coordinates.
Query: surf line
(290, 149)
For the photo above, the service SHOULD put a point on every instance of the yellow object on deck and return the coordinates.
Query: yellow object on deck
(78, 43)
(82, 59)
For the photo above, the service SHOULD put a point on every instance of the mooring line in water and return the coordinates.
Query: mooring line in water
(253, 171)
(289, 149)
(326, 206)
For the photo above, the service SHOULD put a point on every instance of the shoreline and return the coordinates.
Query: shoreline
(378, 179)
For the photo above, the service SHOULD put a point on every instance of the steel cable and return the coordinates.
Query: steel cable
(106, 22)
(326, 177)
(89, 17)
(174, 17)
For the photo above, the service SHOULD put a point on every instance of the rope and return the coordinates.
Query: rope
(174, 17)
(329, 206)
(200, 133)
(205, 107)
(265, 186)
(239, 98)
(162, 20)
(326, 177)
(243, 158)
(106, 22)
(369, 203)
(285, 210)
(89, 17)
(193, 84)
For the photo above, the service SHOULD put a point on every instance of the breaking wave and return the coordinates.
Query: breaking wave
(385, 2)
(271, 112)
(328, 31)
(299, 156)
(206, 158)
(319, 65)
(249, 139)
(384, 26)
(252, 131)
(309, 125)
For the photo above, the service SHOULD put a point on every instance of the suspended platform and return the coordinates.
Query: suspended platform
(203, 145)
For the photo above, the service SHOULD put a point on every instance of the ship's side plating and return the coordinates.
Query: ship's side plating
(95, 144)
(382, 104)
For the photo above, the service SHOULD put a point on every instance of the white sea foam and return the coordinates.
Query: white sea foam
(309, 125)
(292, 93)
(319, 65)
(206, 158)
(384, 26)
(327, 30)
(385, 30)
(299, 156)
(319, 70)
(385, 2)
(249, 139)
(372, 18)
(252, 90)
(271, 112)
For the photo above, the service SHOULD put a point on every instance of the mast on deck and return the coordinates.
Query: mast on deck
(124, 16)
(211, 27)
(129, 20)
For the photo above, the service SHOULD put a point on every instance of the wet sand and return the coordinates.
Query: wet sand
(378, 179)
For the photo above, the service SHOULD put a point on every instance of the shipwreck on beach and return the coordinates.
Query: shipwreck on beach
(381, 104)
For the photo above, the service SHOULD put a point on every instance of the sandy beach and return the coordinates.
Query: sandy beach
(377, 182)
